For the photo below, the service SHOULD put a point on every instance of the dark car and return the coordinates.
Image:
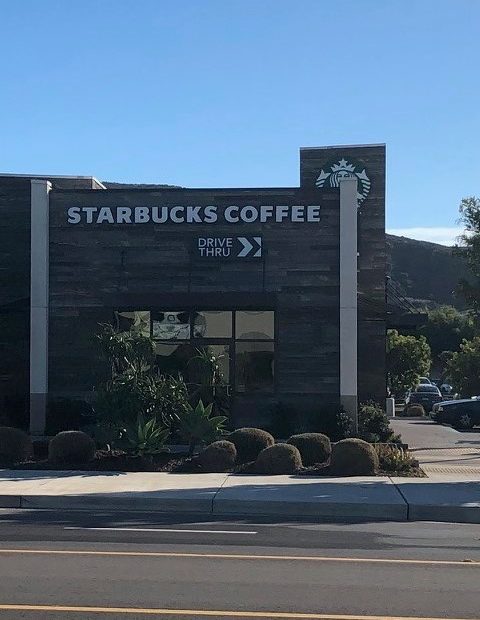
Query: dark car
(425, 395)
(463, 413)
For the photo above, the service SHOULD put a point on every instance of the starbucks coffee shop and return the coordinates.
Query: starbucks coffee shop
(285, 285)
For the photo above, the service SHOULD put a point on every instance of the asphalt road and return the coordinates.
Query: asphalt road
(81, 565)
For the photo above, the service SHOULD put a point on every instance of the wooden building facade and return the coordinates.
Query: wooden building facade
(252, 275)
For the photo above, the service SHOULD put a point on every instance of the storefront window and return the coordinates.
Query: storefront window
(211, 358)
(212, 324)
(254, 366)
(171, 325)
(254, 325)
(138, 320)
(174, 359)
(244, 361)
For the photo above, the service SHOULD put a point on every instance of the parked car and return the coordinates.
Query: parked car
(464, 413)
(424, 394)
(424, 381)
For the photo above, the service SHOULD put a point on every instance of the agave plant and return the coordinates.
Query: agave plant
(198, 425)
(146, 438)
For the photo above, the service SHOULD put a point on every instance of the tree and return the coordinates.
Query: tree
(408, 357)
(135, 387)
(463, 367)
(470, 248)
(446, 328)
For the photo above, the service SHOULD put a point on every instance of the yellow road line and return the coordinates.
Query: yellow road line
(204, 612)
(224, 556)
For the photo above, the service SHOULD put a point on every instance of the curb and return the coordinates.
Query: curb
(445, 514)
(105, 502)
(328, 510)
(219, 507)
(297, 510)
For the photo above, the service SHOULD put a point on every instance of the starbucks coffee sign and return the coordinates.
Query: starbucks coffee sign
(211, 214)
(335, 171)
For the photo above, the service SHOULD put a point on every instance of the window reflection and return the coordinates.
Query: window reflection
(183, 347)
(254, 366)
(254, 325)
(197, 365)
(173, 359)
(212, 361)
(171, 325)
(138, 320)
(212, 324)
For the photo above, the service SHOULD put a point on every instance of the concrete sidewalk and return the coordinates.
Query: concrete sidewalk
(365, 498)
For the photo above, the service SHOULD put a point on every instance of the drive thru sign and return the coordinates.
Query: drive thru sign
(228, 248)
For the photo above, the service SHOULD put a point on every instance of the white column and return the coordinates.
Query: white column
(39, 240)
(348, 297)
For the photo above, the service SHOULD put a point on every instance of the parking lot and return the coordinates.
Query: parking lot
(441, 449)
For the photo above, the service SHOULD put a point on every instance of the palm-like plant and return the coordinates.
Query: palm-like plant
(210, 385)
(197, 425)
(146, 438)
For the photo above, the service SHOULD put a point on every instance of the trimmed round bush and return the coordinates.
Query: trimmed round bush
(281, 458)
(414, 410)
(313, 447)
(354, 457)
(15, 445)
(249, 442)
(219, 456)
(71, 448)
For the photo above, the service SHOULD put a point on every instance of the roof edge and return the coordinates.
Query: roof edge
(53, 176)
(341, 146)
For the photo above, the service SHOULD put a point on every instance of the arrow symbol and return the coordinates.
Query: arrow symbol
(247, 247)
(259, 242)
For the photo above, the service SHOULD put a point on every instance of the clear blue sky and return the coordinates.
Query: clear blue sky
(224, 92)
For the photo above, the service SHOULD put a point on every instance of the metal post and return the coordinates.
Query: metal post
(39, 236)
(348, 297)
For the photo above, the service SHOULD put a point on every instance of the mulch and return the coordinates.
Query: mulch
(120, 461)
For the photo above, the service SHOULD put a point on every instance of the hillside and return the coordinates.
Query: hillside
(427, 273)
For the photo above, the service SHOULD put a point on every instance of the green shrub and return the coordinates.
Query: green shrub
(134, 386)
(395, 460)
(198, 425)
(373, 422)
(281, 458)
(313, 447)
(415, 410)
(249, 442)
(354, 457)
(369, 437)
(219, 456)
(15, 445)
(71, 448)
(146, 437)
(335, 423)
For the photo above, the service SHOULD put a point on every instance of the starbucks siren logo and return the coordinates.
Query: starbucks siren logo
(344, 170)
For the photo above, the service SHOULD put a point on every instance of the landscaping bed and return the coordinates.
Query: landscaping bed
(180, 462)
(141, 444)
(115, 460)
